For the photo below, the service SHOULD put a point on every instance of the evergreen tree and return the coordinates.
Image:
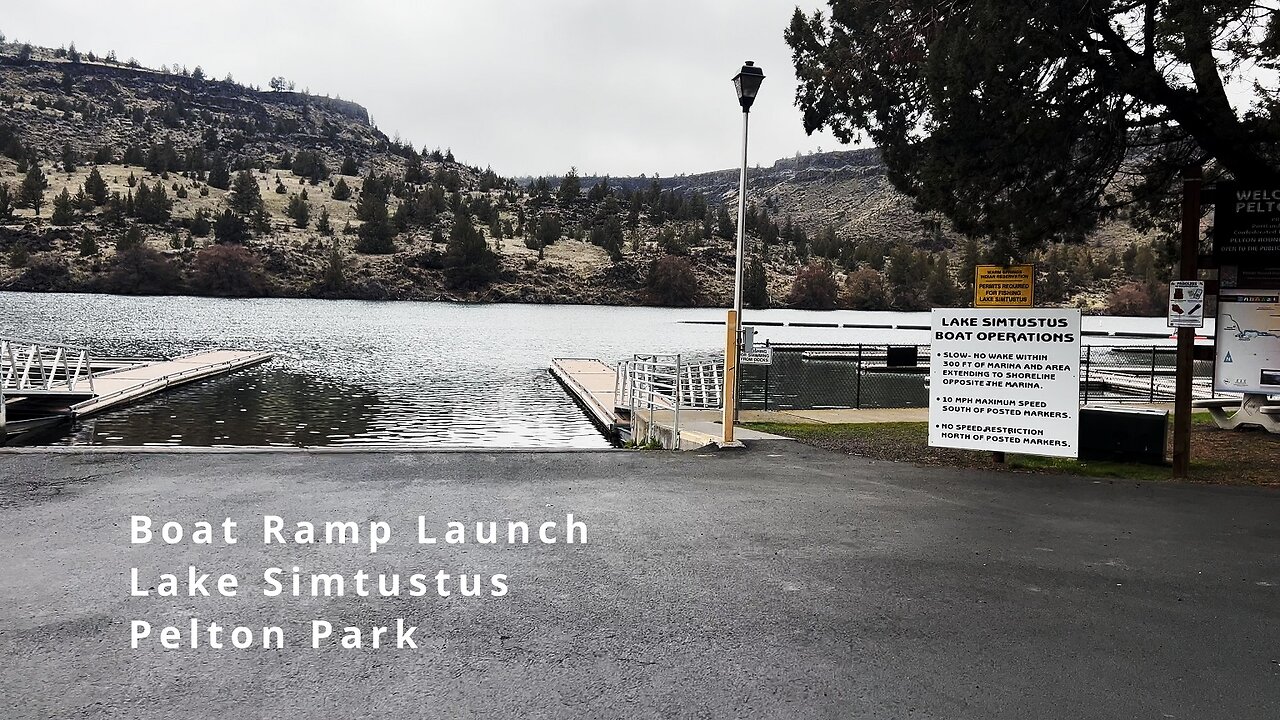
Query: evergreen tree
(969, 261)
(69, 158)
(724, 224)
(64, 209)
(131, 240)
(230, 229)
(96, 187)
(219, 176)
(31, 191)
(468, 260)
(755, 284)
(246, 197)
(1037, 109)
(300, 211)
(376, 232)
(200, 226)
(941, 289)
(153, 207)
(335, 270)
(349, 167)
(88, 245)
(341, 191)
(6, 201)
(570, 187)
(322, 223)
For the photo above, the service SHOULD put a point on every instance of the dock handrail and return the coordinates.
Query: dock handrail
(30, 365)
(668, 383)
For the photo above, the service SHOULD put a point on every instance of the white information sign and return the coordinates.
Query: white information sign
(758, 355)
(1186, 303)
(1006, 381)
(1248, 342)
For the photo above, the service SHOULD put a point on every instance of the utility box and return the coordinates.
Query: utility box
(1122, 434)
(908, 356)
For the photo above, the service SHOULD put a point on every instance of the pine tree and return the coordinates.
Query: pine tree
(131, 240)
(200, 226)
(246, 197)
(570, 187)
(64, 209)
(349, 166)
(88, 245)
(31, 191)
(335, 270)
(219, 177)
(96, 187)
(300, 211)
(69, 158)
(376, 233)
(341, 191)
(230, 228)
(468, 262)
(755, 284)
(6, 201)
(322, 223)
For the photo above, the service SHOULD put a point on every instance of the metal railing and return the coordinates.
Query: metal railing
(33, 366)
(667, 384)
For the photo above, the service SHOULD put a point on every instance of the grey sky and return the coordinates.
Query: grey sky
(528, 86)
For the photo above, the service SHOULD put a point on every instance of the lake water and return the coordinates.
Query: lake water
(369, 373)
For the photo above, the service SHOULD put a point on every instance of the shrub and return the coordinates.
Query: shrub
(1137, 298)
(672, 282)
(815, 287)
(44, 273)
(228, 271)
(142, 271)
(865, 289)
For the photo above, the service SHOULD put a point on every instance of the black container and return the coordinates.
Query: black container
(1123, 434)
(908, 356)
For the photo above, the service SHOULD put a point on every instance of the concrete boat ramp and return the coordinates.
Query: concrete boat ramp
(48, 384)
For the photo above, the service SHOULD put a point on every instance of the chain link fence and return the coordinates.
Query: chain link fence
(814, 377)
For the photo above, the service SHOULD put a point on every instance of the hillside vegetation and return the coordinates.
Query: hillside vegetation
(121, 179)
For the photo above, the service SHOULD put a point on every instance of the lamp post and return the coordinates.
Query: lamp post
(747, 84)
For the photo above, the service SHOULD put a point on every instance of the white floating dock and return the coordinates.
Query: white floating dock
(133, 382)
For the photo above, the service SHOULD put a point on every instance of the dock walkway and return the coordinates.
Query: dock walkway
(592, 383)
(133, 382)
(58, 395)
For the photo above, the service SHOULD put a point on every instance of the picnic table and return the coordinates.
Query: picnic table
(1253, 409)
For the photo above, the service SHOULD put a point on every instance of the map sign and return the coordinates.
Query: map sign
(1248, 342)
(1001, 286)
(1005, 380)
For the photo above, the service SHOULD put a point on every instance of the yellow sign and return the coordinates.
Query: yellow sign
(1000, 286)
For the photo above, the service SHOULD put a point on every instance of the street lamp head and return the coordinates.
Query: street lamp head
(747, 83)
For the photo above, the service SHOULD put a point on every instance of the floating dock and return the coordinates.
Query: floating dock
(592, 384)
(130, 383)
(64, 394)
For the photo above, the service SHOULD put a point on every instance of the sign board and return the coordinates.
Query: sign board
(1186, 303)
(1005, 381)
(1247, 355)
(1246, 236)
(757, 355)
(1000, 286)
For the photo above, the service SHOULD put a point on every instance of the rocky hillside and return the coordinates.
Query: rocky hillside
(177, 183)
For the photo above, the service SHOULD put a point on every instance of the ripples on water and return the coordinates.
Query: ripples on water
(353, 373)
(368, 373)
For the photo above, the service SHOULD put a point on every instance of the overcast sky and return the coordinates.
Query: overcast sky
(530, 87)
